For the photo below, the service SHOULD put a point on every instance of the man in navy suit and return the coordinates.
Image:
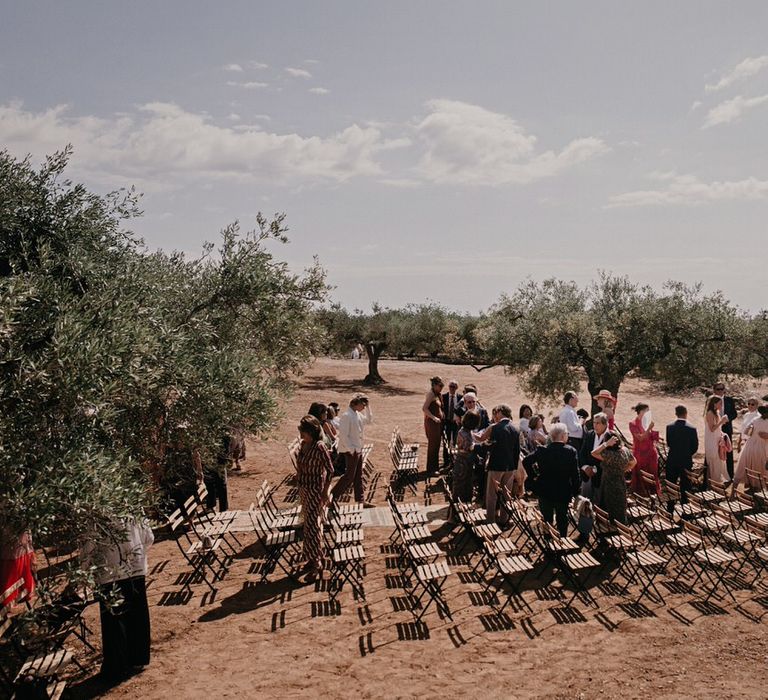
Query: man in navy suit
(451, 399)
(682, 444)
(728, 409)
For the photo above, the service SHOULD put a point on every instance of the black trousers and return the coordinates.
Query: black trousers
(216, 484)
(353, 476)
(557, 510)
(675, 476)
(125, 634)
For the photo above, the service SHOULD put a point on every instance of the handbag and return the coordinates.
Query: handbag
(724, 446)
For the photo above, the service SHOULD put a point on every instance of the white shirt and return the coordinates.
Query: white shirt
(116, 561)
(351, 429)
(572, 421)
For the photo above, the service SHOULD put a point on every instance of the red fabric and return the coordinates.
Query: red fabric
(11, 570)
(724, 446)
(644, 451)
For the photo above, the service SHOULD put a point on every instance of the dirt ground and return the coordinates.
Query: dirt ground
(282, 639)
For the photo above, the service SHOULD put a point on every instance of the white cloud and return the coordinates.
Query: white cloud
(163, 144)
(233, 117)
(311, 61)
(233, 68)
(248, 85)
(696, 104)
(731, 110)
(467, 144)
(746, 69)
(319, 91)
(689, 190)
(298, 72)
(257, 65)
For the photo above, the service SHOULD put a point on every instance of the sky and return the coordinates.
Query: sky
(424, 151)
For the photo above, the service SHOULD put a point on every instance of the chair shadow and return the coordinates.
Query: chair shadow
(251, 598)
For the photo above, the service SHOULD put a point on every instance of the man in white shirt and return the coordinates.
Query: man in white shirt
(571, 420)
(120, 569)
(350, 446)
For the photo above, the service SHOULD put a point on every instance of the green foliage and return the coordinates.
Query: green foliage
(551, 332)
(104, 349)
(416, 329)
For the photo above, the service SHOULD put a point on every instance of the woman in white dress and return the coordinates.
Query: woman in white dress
(713, 424)
(755, 452)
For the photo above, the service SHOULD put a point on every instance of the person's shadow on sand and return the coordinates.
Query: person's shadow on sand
(251, 598)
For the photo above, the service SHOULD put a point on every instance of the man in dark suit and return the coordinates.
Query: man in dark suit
(728, 409)
(682, 444)
(591, 468)
(558, 477)
(451, 400)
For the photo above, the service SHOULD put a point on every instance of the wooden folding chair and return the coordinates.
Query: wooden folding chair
(639, 566)
(429, 578)
(697, 480)
(712, 563)
(690, 510)
(348, 566)
(757, 486)
(35, 663)
(203, 554)
(280, 547)
(512, 569)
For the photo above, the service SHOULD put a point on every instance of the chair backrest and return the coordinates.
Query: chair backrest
(648, 479)
(624, 530)
(602, 520)
(718, 487)
(672, 489)
(755, 477)
(177, 520)
(692, 529)
(745, 499)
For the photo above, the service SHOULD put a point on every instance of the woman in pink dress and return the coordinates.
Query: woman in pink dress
(644, 439)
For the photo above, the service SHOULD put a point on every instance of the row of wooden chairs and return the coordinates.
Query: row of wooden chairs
(405, 461)
(422, 563)
(29, 661)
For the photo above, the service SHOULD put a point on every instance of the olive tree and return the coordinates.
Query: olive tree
(104, 347)
(552, 332)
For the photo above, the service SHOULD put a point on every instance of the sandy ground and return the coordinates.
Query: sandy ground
(281, 639)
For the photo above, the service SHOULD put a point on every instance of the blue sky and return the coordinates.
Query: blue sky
(424, 150)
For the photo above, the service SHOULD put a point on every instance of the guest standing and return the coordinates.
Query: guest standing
(350, 446)
(571, 420)
(463, 465)
(616, 461)
(682, 444)
(606, 402)
(644, 442)
(755, 452)
(451, 399)
(120, 573)
(715, 440)
(314, 471)
(433, 423)
(591, 468)
(557, 478)
(503, 456)
(727, 408)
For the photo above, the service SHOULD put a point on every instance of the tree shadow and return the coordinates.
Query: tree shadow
(331, 383)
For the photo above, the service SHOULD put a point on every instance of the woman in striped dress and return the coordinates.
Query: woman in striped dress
(315, 470)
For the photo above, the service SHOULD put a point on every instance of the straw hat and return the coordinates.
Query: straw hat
(605, 394)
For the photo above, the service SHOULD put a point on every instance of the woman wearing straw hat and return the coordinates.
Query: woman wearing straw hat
(607, 403)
